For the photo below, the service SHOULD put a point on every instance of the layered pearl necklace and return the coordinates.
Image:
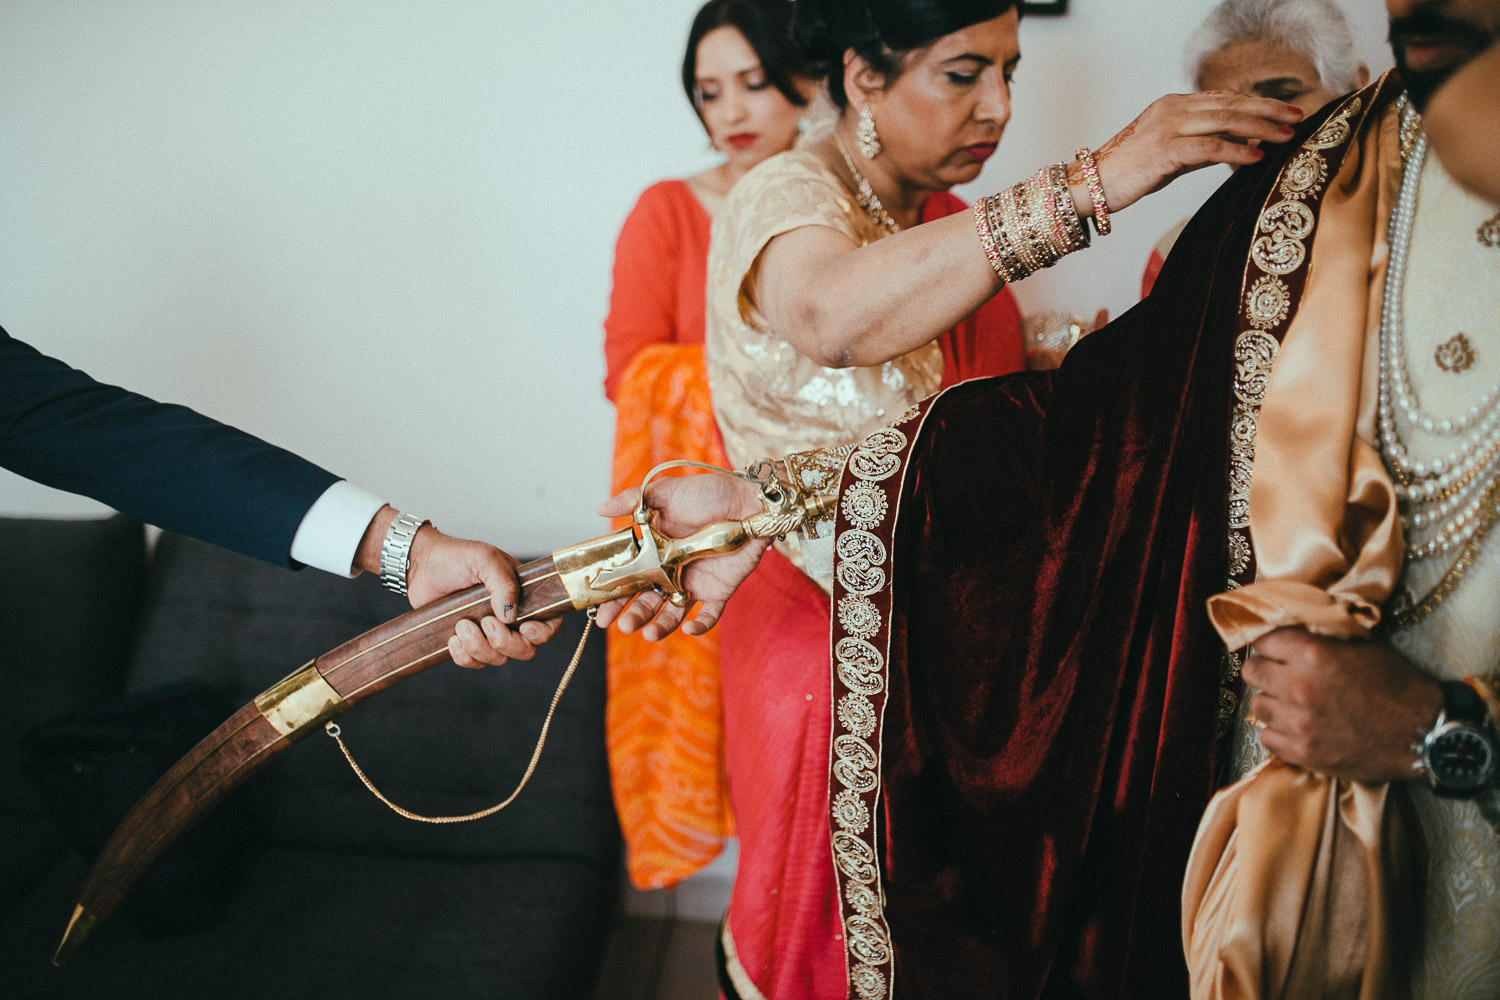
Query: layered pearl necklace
(1448, 503)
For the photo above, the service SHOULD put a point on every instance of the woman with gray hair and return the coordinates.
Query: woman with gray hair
(1297, 51)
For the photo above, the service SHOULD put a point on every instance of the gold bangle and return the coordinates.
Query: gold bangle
(987, 240)
(1005, 243)
(1031, 225)
(1034, 218)
(1005, 240)
(1050, 222)
(1017, 229)
(1071, 232)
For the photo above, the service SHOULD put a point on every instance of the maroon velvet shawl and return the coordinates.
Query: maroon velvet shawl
(1048, 734)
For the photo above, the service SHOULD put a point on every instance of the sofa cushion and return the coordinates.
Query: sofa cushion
(93, 765)
(318, 924)
(68, 605)
(449, 741)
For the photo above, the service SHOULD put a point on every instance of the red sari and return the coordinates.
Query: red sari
(782, 935)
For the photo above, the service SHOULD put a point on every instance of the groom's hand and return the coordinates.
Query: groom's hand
(440, 565)
(684, 504)
(1346, 708)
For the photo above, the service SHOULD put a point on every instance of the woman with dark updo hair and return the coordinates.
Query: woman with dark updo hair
(827, 302)
(747, 83)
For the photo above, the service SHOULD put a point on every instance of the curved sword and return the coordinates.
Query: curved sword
(624, 562)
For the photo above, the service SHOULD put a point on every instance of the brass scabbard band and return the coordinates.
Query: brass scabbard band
(300, 703)
(579, 565)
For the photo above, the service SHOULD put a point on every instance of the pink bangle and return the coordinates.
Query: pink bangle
(1096, 191)
(986, 238)
(989, 239)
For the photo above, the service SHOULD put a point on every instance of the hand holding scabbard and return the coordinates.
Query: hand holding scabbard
(629, 561)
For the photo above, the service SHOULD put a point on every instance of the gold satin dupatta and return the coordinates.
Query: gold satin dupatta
(1301, 885)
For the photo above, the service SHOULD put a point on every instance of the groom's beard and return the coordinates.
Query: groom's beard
(1431, 44)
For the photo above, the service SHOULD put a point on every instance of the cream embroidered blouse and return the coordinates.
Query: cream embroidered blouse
(770, 399)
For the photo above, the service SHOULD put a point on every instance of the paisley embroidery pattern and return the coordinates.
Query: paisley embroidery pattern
(864, 530)
(1338, 129)
(1289, 223)
(1275, 277)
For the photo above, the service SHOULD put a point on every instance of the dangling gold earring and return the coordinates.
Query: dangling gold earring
(865, 134)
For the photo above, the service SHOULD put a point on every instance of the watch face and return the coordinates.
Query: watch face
(1461, 758)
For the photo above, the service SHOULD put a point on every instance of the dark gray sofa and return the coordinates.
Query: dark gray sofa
(338, 897)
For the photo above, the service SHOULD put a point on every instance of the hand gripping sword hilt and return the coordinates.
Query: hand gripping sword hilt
(660, 559)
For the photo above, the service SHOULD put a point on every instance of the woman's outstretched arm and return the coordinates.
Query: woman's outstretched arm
(845, 305)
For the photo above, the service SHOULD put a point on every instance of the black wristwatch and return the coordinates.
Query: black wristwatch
(1461, 753)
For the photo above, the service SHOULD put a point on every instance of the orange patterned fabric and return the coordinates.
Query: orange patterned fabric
(663, 724)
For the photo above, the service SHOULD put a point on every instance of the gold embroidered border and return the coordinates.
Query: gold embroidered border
(743, 984)
(1275, 276)
(860, 640)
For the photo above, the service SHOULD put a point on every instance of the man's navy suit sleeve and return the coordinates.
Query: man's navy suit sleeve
(160, 463)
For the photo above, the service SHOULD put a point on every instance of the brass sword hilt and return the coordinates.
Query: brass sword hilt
(639, 557)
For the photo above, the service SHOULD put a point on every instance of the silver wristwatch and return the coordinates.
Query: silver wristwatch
(1459, 757)
(395, 552)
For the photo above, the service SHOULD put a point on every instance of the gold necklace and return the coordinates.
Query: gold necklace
(865, 194)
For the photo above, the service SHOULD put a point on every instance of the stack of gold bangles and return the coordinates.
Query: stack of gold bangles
(1032, 225)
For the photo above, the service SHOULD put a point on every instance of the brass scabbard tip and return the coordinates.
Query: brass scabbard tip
(78, 929)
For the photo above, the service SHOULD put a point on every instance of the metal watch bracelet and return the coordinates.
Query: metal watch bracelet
(395, 552)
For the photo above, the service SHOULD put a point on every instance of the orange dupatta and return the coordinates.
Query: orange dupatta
(663, 725)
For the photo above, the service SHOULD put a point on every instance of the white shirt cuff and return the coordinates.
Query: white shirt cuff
(328, 537)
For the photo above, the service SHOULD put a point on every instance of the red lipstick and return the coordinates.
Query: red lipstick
(980, 151)
(741, 139)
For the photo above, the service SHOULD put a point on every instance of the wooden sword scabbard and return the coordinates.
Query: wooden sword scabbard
(297, 705)
(618, 564)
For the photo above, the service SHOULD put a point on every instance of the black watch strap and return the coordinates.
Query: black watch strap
(1460, 755)
(1462, 703)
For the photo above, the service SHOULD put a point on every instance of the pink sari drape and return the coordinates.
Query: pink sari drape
(782, 921)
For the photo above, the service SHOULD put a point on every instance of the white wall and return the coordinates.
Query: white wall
(380, 233)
